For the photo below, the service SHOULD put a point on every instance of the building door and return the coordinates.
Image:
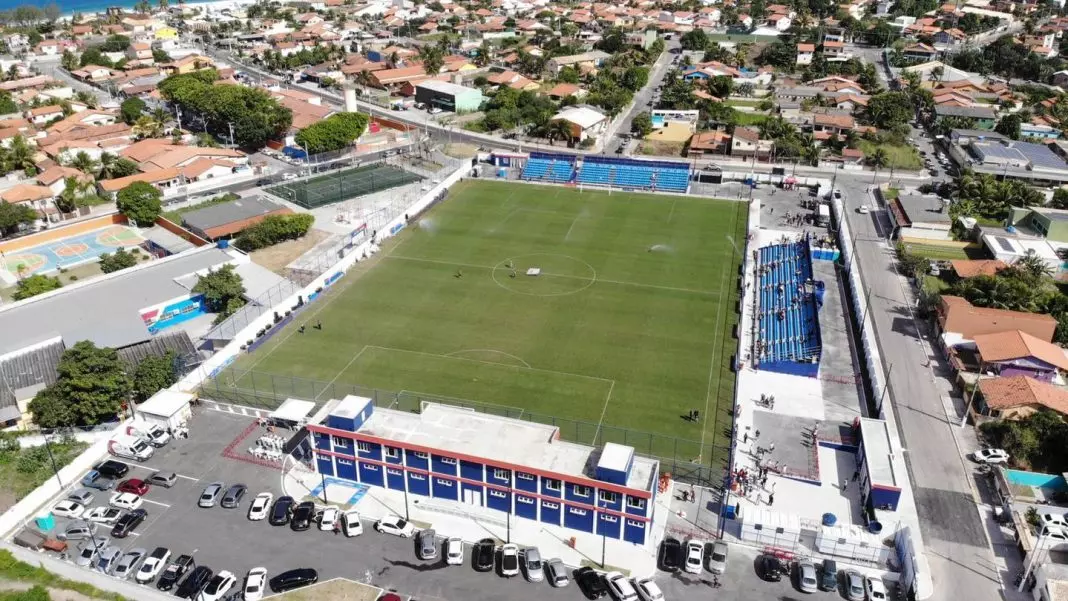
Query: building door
(473, 497)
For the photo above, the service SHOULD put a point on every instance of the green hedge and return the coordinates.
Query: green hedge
(274, 229)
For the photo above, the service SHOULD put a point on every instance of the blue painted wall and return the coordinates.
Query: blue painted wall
(571, 495)
(526, 507)
(470, 470)
(371, 474)
(550, 512)
(635, 511)
(326, 464)
(491, 476)
(373, 451)
(345, 446)
(418, 484)
(346, 468)
(322, 441)
(398, 460)
(445, 489)
(527, 482)
(608, 525)
(395, 478)
(498, 499)
(547, 492)
(614, 502)
(478, 489)
(578, 519)
(412, 460)
(634, 532)
(440, 465)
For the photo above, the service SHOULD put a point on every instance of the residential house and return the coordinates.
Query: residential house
(959, 320)
(44, 114)
(835, 51)
(55, 178)
(563, 90)
(39, 198)
(188, 64)
(513, 80)
(983, 117)
(1017, 397)
(966, 268)
(594, 58)
(805, 52)
(919, 52)
(834, 124)
(1016, 353)
(92, 73)
(140, 52)
(713, 142)
(746, 142)
(586, 121)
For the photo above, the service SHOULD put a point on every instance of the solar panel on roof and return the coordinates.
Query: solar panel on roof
(1005, 244)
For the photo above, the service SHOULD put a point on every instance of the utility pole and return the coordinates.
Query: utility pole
(231, 125)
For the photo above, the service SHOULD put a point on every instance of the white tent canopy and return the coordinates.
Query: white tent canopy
(168, 408)
(293, 410)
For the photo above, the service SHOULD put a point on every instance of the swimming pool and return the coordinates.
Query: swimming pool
(1037, 480)
(68, 252)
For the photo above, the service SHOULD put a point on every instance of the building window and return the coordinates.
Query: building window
(636, 502)
(524, 476)
(417, 476)
(363, 447)
(393, 472)
(393, 452)
(344, 462)
(611, 519)
(635, 524)
(498, 494)
(340, 442)
(607, 496)
(370, 468)
(548, 505)
(580, 491)
(419, 454)
(500, 474)
(577, 511)
(444, 482)
(448, 460)
(551, 484)
(526, 500)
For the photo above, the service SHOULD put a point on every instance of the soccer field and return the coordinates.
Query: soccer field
(628, 324)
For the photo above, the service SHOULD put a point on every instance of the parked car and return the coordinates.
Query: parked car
(128, 523)
(82, 495)
(231, 500)
(153, 565)
(194, 582)
(717, 559)
(483, 554)
(426, 544)
(112, 469)
(255, 584)
(128, 563)
(991, 456)
(509, 560)
(287, 581)
(103, 515)
(454, 552)
(211, 494)
(95, 479)
(260, 506)
(854, 586)
(351, 525)
(68, 509)
(134, 486)
(875, 589)
(1052, 519)
(79, 530)
(863, 209)
(532, 564)
(557, 572)
(829, 575)
(328, 518)
(695, 551)
(125, 500)
(173, 573)
(619, 587)
(806, 576)
(648, 590)
(769, 568)
(590, 583)
(218, 587)
(302, 516)
(396, 525)
(671, 555)
(281, 511)
(108, 559)
(90, 551)
(164, 479)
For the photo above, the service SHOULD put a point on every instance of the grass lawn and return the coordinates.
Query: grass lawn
(733, 102)
(899, 157)
(891, 193)
(750, 118)
(935, 284)
(629, 323)
(946, 253)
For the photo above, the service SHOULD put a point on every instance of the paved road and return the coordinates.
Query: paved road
(962, 564)
(643, 99)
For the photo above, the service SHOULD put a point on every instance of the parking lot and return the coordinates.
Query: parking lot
(224, 539)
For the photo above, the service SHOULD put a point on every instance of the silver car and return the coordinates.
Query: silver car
(128, 563)
(557, 572)
(854, 586)
(426, 542)
(806, 576)
(532, 564)
(717, 559)
(211, 493)
(82, 495)
(79, 530)
(108, 559)
(90, 551)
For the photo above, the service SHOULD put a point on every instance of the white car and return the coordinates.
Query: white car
(992, 456)
(103, 515)
(351, 524)
(875, 589)
(125, 500)
(648, 590)
(863, 209)
(1053, 519)
(218, 587)
(395, 525)
(454, 552)
(289, 176)
(153, 565)
(68, 509)
(255, 584)
(328, 518)
(260, 507)
(695, 550)
(717, 559)
(509, 560)
(619, 587)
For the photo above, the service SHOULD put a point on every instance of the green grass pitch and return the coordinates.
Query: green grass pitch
(629, 323)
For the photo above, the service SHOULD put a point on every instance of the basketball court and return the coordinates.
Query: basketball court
(68, 252)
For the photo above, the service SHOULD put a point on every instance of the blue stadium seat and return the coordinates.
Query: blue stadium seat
(784, 270)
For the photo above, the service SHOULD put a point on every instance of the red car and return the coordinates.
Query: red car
(133, 485)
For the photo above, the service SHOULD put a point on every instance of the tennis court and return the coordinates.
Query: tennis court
(71, 251)
(343, 185)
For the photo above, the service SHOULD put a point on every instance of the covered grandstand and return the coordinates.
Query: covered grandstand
(787, 317)
(554, 168)
(611, 172)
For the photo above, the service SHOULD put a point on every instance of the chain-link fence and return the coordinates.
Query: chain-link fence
(687, 460)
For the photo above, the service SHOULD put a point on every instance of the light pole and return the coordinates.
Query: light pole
(55, 470)
(1031, 560)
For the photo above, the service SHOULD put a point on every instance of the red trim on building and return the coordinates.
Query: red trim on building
(514, 491)
(884, 487)
(634, 492)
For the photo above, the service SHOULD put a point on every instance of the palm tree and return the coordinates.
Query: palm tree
(20, 156)
(936, 74)
(433, 59)
(558, 129)
(1033, 267)
(84, 163)
(142, 6)
(878, 158)
(107, 165)
(67, 200)
(484, 53)
(147, 127)
(163, 4)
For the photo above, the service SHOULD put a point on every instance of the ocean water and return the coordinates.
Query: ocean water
(69, 7)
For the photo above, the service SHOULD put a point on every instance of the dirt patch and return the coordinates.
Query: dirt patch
(460, 151)
(275, 258)
(333, 590)
(673, 149)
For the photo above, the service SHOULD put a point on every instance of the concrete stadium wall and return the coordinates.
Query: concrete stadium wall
(57, 233)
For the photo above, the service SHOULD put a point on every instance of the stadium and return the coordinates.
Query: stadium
(609, 314)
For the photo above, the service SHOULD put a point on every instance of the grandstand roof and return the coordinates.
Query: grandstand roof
(105, 311)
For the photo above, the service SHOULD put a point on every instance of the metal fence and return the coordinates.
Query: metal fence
(687, 460)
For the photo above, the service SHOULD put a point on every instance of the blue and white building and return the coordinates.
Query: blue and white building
(471, 458)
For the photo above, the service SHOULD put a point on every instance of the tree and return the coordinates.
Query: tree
(433, 59)
(12, 216)
(121, 259)
(34, 285)
(1032, 267)
(1009, 125)
(73, 190)
(223, 291)
(720, 86)
(568, 75)
(255, 115)
(132, 109)
(91, 381)
(140, 203)
(878, 158)
(274, 229)
(20, 156)
(153, 374)
(642, 125)
(558, 130)
(84, 163)
(889, 109)
(147, 127)
(94, 56)
(115, 43)
(695, 39)
(70, 61)
(333, 133)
